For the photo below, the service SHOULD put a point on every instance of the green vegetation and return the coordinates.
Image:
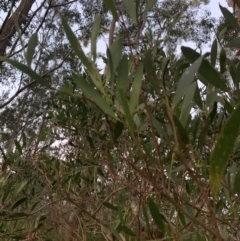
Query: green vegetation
(142, 147)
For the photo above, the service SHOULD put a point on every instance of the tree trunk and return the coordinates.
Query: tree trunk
(8, 28)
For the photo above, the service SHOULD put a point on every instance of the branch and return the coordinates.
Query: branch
(9, 28)
(7, 17)
(32, 83)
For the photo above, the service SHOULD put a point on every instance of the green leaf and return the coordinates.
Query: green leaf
(93, 95)
(229, 17)
(233, 72)
(18, 189)
(150, 4)
(198, 97)
(131, 10)
(228, 107)
(118, 130)
(238, 76)
(122, 74)
(31, 48)
(128, 231)
(195, 125)
(157, 217)
(199, 237)
(150, 71)
(115, 232)
(223, 149)
(182, 219)
(34, 205)
(111, 5)
(187, 104)
(110, 206)
(7, 192)
(145, 214)
(165, 13)
(182, 132)
(3, 213)
(222, 33)
(206, 70)
(205, 129)
(125, 105)
(116, 52)
(18, 146)
(110, 71)
(24, 140)
(236, 185)
(27, 70)
(157, 125)
(136, 89)
(137, 8)
(95, 32)
(18, 215)
(222, 60)
(214, 53)
(235, 43)
(91, 68)
(186, 80)
(114, 55)
(18, 203)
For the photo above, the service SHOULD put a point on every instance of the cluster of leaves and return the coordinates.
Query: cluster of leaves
(147, 150)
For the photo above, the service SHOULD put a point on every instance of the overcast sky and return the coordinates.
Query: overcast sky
(214, 6)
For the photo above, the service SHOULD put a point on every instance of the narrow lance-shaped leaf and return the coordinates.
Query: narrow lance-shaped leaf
(7, 191)
(18, 189)
(128, 231)
(151, 72)
(187, 104)
(110, 206)
(91, 68)
(145, 214)
(214, 53)
(131, 10)
(137, 5)
(93, 94)
(206, 70)
(150, 4)
(18, 146)
(111, 5)
(236, 186)
(198, 97)
(110, 71)
(223, 149)
(235, 43)
(136, 89)
(233, 72)
(118, 130)
(222, 33)
(186, 80)
(205, 128)
(157, 217)
(157, 125)
(125, 105)
(116, 51)
(122, 73)
(182, 134)
(31, 48)
(229, 17)
(222, 60)
(27, 70)
(95, 31)
(19, 202)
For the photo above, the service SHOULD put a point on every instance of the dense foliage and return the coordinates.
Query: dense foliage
(144, 147)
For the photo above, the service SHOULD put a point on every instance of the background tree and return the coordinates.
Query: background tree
(129, 153)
